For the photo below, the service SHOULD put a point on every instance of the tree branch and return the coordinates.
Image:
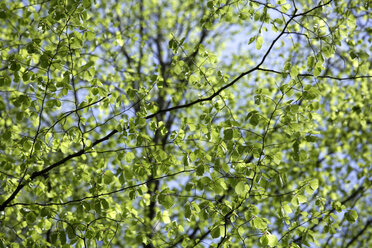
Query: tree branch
(257, 67)
(47, 169)
(311, 75)
(231, 83)
(369, 222)
(99, 195)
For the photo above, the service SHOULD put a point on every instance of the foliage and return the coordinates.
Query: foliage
(185, 123)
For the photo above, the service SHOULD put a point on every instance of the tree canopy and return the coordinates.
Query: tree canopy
(166, 123)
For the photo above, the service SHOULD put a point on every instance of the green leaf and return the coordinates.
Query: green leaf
(259, 223)
(89, 234)
(295, 202)
(7, 135)
(318, 68)
(272, 240)
(268, 240)
(30, 218)
(187, 210)
(108, 177)
(196, 207)
(225, 167)
(228, 134)
(287, 66)
(314, 184)
(166, 201)
(97, 206)
(54, 237)
(257, 99)
(26, 76)
(309, 190)
(165, 217)
(264, 240)
(129, 156)
(178, 69)
(302, 199)
(328, 51)
(251, 40)
(240, 188)
(62, 237)
(284, 8)
(70, 232)
(44, 60)
(45, 212)
(217, 232)
(210, 4)
(47, 224)
(310, 62)
(287, 208)
(95, 91)
(351, 216)
(259, 42)
(86, 3)
(294, 72)
(254, 120)
(87, 66)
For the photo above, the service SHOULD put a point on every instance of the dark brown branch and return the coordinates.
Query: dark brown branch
(99, 195)
(257, 67)
(231, 83)
(349, 198)
(47, 169)
(369, 222)
(311, 75)
(65, 115)
(203, 236)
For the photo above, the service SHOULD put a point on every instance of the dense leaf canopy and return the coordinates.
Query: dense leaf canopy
(167, 123)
